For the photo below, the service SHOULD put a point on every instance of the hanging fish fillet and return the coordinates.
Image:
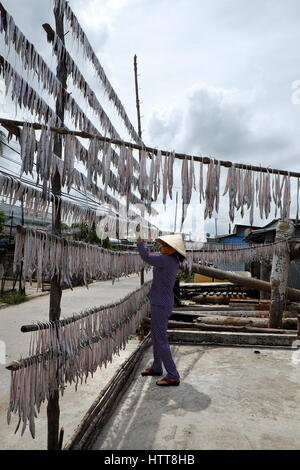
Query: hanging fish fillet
(151, 178)
(157, 171)
(171, 159)
(165, 180)
(201, 193)
(185, 190)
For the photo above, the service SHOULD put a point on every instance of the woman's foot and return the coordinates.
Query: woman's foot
(150, 371)
(165, 382)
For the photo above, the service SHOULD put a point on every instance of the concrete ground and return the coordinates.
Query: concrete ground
(73, 404)
(230, 398)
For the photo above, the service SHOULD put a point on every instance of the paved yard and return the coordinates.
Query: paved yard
(229, 398)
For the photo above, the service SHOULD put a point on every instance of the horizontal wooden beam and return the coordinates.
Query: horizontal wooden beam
(180, 156)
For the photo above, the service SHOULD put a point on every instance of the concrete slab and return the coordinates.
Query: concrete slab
(229, 338)
(229, 398)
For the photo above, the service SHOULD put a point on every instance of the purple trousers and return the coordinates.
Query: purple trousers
(159, 337)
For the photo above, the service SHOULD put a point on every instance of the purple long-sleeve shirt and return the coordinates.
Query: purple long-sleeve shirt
(165, 270)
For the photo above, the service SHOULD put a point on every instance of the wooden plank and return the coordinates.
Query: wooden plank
(230, 338)
(288, 323)
(229, 328)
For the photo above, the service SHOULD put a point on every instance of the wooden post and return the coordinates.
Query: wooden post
(21, 286)
(139, 130)
(56, 290)
(264, 276)
(279, 274)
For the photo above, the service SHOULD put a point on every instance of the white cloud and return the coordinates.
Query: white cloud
(224, 123)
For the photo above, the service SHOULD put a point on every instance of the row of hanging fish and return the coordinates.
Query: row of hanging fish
(144, 183)
(98, 159)
(36, 203)
(245, 189)
(44, 254)
(80, 82)
(242, 187)
(32, 61)
(68, 351)
(64, 8)
(214, 253)
(24, 95)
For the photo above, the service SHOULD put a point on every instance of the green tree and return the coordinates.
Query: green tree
(2, 142)
(89, 235)
(2, 220)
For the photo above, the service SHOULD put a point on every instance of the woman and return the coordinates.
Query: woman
(161, 296)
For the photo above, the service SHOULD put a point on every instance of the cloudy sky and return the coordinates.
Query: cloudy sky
(216, 77)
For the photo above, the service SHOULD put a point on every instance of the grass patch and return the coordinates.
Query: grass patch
(133, 335)
(13, 298)
(185, 276)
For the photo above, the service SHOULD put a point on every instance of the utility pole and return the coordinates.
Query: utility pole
(137, 97)
(53, 411)
(21, 286)
(139, 129)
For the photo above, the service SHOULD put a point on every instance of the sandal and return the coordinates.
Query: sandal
(150, 371)
(165, 382)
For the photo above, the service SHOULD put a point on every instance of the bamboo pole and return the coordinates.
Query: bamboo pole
(142, 278)
(180, 156)
(292, 294)
(53, 410)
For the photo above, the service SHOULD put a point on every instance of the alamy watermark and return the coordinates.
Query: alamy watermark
(123, 226)
(2, 352)
(296, 94)
(296, 353)
(2, 92)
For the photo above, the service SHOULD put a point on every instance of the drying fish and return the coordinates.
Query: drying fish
(151, 179)
(157, 171)
(143, 183)
(215, 253)
(69, 350)
(185, 189)
(201, 193)
(171, 159)
(88, 261)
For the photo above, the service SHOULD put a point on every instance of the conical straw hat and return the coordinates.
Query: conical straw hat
(175, 241)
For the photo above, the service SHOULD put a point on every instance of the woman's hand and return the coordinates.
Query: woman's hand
(138, 236)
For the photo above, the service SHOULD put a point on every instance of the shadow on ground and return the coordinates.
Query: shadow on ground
(137, 418)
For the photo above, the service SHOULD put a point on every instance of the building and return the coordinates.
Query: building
(235, 238)
(267, 234)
